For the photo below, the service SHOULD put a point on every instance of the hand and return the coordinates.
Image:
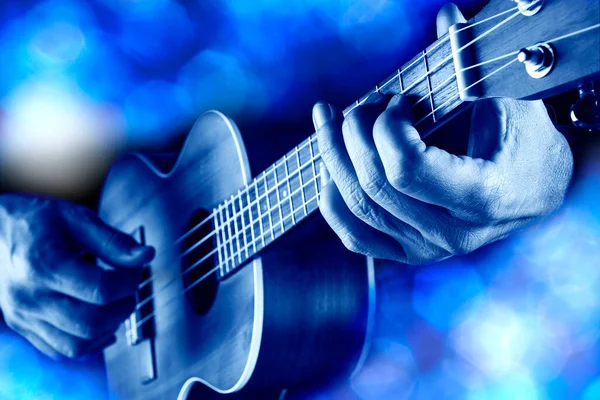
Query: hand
(65, 306)
(394, 197)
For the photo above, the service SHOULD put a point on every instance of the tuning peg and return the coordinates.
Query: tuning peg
(585, 113)
(538, 60)
(529, 7)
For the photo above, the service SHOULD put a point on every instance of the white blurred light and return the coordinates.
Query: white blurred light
(218, 80)
(54, 140)
(389, 372)
(57, 43)
(495, 339)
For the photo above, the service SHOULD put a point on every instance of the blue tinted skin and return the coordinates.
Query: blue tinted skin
(394, 197)
(50, 292)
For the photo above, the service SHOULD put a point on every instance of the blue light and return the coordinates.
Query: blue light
(154, 108)
(218, 80)
(157, 43)
(27, 374)
(592, 391)
(441, 290)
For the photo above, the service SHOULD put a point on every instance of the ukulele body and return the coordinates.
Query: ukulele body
(298, 314)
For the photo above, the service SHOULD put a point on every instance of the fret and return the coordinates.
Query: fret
(400, 80)
(314, 168)
(282, 193)
(274, 203)
(301, 184)
(258, 211)
(251, 219)
(243, 223)
(307, 174)
(295, 188)
(429, 84)
(228, 245)
(238, 232)
(268, 207)
(289, 191)
(238, 229)
(232, 233)
(220, 238)
(279, 200)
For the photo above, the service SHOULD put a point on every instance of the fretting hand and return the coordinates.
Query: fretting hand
(396, 198)
(64, 305)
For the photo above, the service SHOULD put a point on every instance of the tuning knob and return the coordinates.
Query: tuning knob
(538, 60)
(529, 7)
(585, 113)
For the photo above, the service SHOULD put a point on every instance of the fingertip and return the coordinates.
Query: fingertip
(400, 102)
(142, 254)
(322, 113)
(324, 175)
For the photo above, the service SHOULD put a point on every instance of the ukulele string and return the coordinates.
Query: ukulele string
(427, 52)
(220, 265)
(444, 61)
(554, 40)
(439, 88)
(233, 198)
(442, 86)
(217, 267)
(506, 65)
(238, 254)
(444, 40)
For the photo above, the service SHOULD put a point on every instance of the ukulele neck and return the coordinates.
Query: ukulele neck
(288, 191)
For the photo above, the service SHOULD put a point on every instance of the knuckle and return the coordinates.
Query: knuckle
(403, 173)
(359, 204)
(464, 243)
(16, 297)
(373, 185)
(352, 243)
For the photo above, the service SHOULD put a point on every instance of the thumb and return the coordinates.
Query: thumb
(488, 126)
(448, 16)
(109, 244)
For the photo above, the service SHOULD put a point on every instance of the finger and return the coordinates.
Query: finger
(35, 340)
(358, 139)
(62, 342)
(449, 15)
(90, 283)
(357, 236)
(335, 157)
(97, 347)
(114, 247)
(83, 320)
(430, 174)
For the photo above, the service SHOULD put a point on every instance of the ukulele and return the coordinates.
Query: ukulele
(232, 302)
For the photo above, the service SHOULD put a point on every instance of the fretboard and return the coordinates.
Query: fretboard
(288, 191)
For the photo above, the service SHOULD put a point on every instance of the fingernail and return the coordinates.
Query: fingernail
(324, 173)
(321, 114)
(146, 252)
(375, 98)
(395, 100)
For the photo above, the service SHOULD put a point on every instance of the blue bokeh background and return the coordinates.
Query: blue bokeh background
(83, 81)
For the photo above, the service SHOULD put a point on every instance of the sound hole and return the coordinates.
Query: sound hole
(198, 263)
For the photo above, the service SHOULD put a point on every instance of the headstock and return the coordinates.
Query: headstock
(571, 28)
